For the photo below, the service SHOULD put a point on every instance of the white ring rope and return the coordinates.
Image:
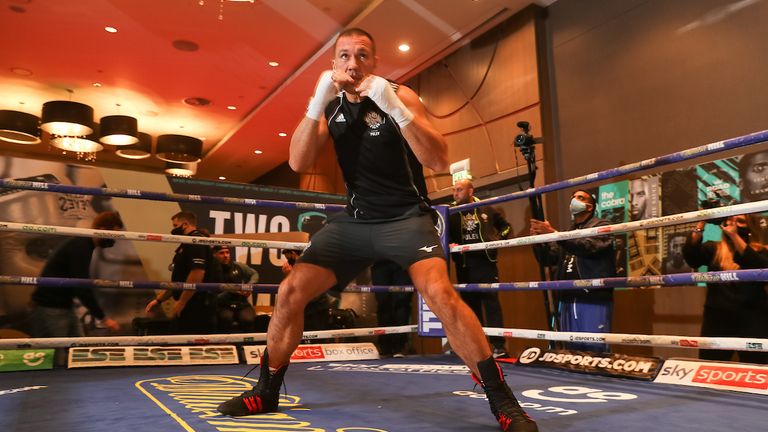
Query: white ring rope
(723, 343)
(623, 227)
(110, 341)
(142, 236)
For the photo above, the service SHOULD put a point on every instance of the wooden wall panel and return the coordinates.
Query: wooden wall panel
(512, 83)
(476, 96)
(502, 134)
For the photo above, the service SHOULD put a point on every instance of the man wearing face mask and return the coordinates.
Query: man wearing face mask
(52, 307)
(194, 311)
(582, 310)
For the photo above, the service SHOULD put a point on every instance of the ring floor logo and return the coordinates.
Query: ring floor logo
(552, 399)
(191, 401)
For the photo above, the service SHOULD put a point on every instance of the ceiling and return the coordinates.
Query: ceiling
(58, 49)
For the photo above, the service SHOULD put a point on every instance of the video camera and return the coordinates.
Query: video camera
(524, 139)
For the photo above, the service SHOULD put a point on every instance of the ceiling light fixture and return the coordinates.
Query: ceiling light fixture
(274, 64)
(258, 151)
(110, 29)
(85, 147)
(67, 118)
(179, 148)
(119, 130)
(404, 47)
(140, 150)
(181, 169)
(282, 134)
(19, 127)
(222, 178)
(231, 107)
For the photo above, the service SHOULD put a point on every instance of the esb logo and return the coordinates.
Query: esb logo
(308, 352)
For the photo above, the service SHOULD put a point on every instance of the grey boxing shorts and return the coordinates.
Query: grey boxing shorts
(347, 246)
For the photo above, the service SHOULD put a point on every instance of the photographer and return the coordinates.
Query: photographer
(732, 309)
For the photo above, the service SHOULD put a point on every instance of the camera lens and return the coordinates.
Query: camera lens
(520, 139)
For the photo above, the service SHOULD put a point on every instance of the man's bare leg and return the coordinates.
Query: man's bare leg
(463, 329)
(305, 282)
(430, 276)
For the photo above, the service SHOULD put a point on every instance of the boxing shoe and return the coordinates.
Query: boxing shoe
(262, 398)
(504, 405)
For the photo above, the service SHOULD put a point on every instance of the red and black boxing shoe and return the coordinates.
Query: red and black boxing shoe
(262, 398)
(504, 405)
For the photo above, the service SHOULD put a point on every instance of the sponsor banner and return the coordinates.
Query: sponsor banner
(724, 376)
(152, 356)
(26, 359)
(609, 364)
(319, 352)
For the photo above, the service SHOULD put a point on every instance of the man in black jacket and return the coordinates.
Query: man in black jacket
(52, 313)
(479, 225)
(582, 310)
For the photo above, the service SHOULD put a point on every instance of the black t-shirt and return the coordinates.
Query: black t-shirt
(189, 257)
(71, 260)
(384, 179)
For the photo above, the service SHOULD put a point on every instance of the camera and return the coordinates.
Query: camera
(524, 139)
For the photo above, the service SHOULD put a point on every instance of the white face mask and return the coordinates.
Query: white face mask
(577, 207)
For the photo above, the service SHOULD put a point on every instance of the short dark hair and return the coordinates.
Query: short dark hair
(186, 216)
(107, 220)
(355, 31)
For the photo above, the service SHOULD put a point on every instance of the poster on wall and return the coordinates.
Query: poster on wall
(232, 219)
(717, 185)
(25, 254)
(613, 206)
(644, 246)
(677, 197)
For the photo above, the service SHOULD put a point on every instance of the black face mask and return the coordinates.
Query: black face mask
(105, 243)
(743, 233)
(179, 230)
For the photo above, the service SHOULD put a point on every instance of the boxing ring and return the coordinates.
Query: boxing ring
(418, 393)
(427, 394)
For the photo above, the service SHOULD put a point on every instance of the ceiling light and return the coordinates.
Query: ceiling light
(96, 84)
(231, 107)
(140, 150)
(67, 118)
(282, 134)
(181, 169)
(274, 64)
(222, 178)
(404, 47)
(258, 151)
(77, 144)
(19, 127)
(179, 148)
(21, 71)
(119, 130)
(110, 29)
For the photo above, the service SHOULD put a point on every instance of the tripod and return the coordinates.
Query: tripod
(525, 141)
